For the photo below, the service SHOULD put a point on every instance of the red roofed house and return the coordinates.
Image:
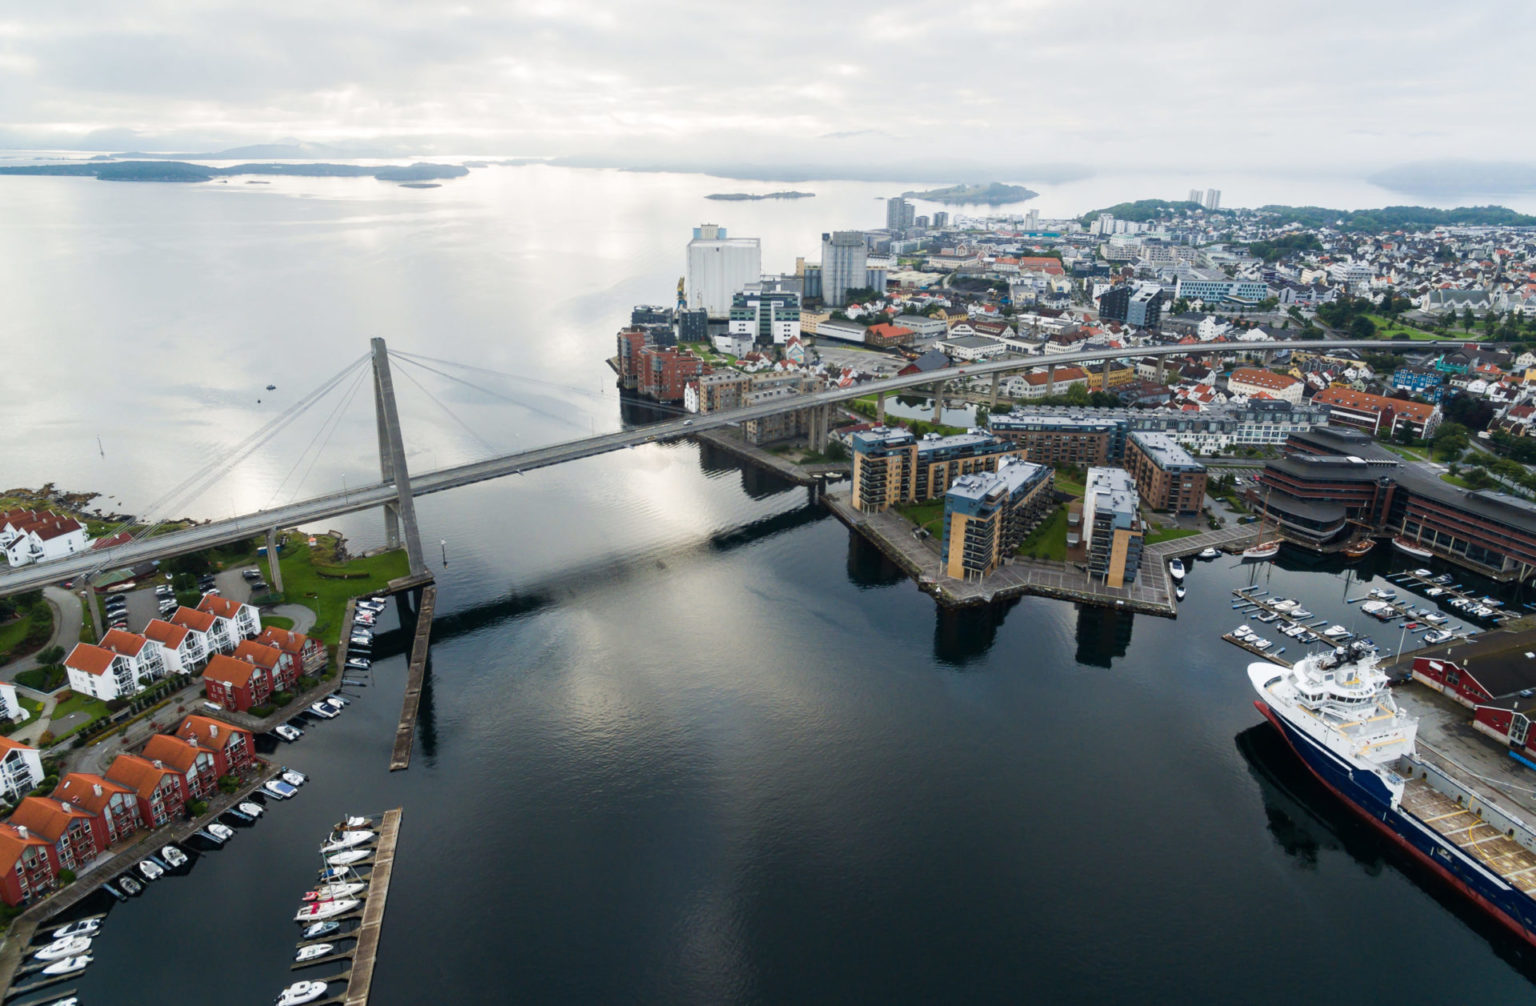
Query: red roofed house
(307, 652)
(159, 789)
(28, 536)
(198, 765)
(244, 620)
(100, 673)
(235, 747)
(21, 769)
(236, 684)
(76, 835)
(180, 651)
(1251, 381)
(1377, 414)
(148, 665)
(206, 632)
(886, 335)
(29, 867)
(283, 668)
(114, 805)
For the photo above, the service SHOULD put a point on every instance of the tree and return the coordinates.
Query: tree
(1362, 328)
(1467, 319)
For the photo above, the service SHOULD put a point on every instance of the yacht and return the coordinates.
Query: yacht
(348, 857)
(1209, 553)
(1407, 546)
(346, 840)
(1262, 550)
(80, 927)
(69, 946)
(320, 929)
(223, 832)
(1176, 569)
(294, 778)
(253, 809)
(318, 911)
(173, 856)
(68, 966)
(313, 951)
(301, 992)
(334, 892)
(151, 870)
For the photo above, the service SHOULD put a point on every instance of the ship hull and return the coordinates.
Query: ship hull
(1508, 905)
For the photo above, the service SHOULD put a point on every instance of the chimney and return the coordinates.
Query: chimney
(158, 763)
(67, 808)
(213, 730)
(21, 830)
(96, 788)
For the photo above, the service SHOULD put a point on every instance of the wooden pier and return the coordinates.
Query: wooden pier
(405, 733)
(364, 954)
(1244, 644)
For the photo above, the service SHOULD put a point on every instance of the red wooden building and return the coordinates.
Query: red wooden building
(114, 805)
(29, 868)
(236, 684)
(198, 765)
(77, 836)
(234, 747)
(159, 789)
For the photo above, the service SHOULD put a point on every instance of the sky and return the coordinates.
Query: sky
(1300, 86)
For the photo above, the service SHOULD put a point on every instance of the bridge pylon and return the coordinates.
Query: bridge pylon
(399, 513)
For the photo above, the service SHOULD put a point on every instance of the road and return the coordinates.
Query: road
(366, 497)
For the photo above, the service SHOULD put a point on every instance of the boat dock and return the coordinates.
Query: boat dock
(1273, 658)
(405, 733)
(360, 957)
(1451, 591)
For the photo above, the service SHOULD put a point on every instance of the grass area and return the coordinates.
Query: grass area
(13, 632)
(925, 515)
(1049, 540)
(313, 580)
(1168, 534)
(78, 702)
(1067, 485)
(1386, 329)
(276, 621)
(1412, 454)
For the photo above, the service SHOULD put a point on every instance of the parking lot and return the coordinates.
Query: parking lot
(866, 361)
(143, 605)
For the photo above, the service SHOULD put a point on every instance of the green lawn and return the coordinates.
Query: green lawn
(1386, 329)
(1049, 540)
(304, 584)
(1168, 534)
(1066, 485)
(1410, 453)
(925, 515)
(95, 708)
(276, 621)
(12, 633)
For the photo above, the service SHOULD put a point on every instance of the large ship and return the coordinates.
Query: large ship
(1337, 713)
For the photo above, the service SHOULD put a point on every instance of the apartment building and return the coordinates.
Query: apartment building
(1111, 526)
(1166, 476)
(891, 466)
(988, 515)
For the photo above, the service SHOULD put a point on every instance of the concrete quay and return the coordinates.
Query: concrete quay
(400, 756)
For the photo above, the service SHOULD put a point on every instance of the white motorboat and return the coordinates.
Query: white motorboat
(1209, 553)
(323, 711)
(301, 992)
(67, 1001)
(69, 946)
(67, 966)
(1435, 619)
(1176, 569)
(80, 927)
(345, 840)
(334, 892)
(353, 822)
(279, 789)
(1179, 592)
(1335, 631)
(251, 808)
(1379, 609)
(1300, 613)
(294, 778)
(1259, 642)
(313, 951)
(151, 870)
(1437, 636)
(287, 733)
(318, 911)
(320, 929)
(348, 857)
(173, 856)
(221, 831)
(1242, 631)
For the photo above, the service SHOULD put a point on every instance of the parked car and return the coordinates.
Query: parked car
(250, 574)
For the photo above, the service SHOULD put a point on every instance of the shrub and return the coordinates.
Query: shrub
(67, 875)
(51, 655)
(261, 711)
(46, 739)
(228, 784)
(306, 682)
(198, 807)
(281, 698)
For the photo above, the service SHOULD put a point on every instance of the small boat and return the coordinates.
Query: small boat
(271, 387)
(287, 733)
(358, 663)
(331, 873)
(209, 836)
(355, 821)
(1267, 618)
(151, 870)
(313, 951)
(279, 789)
(350, 856)
(1176, 569)
(1178, 592)
(320, 929)
(253, 809)
(1260, 642)
(334, 892)
(69, 946)
(1435, 619)
(173, 856)
(113, 891)
(66, 1001)
(1437, 636)
(346, 840)
(301, 992)
(1209, 553)
(323, 711)
(1422, 573)
(80, 927)
(1413, 548)
(1360, 547)
(1379, 609)
(1241, 631)
(1335, 631)
(317, 911)
(1435, 591)
(1263, 550)
(1300, 613)
(130, 885)
(294, 778)
(68, 966)
(223, 832)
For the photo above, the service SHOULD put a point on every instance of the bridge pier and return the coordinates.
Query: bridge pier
(274, 567)
(938, 402)
(1050, 380)
(93, 602)
(399, 515)
(997, 379)
(880, 409)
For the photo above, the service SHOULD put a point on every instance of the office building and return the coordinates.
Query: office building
(1213, 291)
(899, 214)
(769, 318)
(891, 466)
(1138, 304)
(987, 516)
(718, 267)
(1166, 476)
(1111, 526)
(843, 266)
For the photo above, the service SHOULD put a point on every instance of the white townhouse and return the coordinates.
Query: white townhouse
(182, 651)
(101, 673)
(21, 769)
(28, 536)
(243, 621)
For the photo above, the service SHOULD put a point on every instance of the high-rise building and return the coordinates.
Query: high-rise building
(921, 222)
(1032, 220)
(1213, 199)
(1166, 476)
(941, 219)
(843, 266)
(1196, 197)
(769, 318)
(989, 514)
(892, 466)
(719, 266)
(1111, 522)
(898, 214)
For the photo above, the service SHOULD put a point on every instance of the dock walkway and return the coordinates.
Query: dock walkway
(366, 951)
(400, 757)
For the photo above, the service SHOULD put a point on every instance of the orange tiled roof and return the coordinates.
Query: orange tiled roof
(229, 671)
(1350, 399)
(12, 845)
(127, 643)
(209, 732)
(79, 790)
(46, 816)
(90, 658)
(139, 774)
(173, 751)
(199, 621)
(257, 653)
(166, 634)
(218, 605)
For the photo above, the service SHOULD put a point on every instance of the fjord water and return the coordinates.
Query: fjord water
(687, 739)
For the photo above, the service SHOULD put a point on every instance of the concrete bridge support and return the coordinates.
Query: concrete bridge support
(400, 514)
(938, 402)
(997, 380)
(880, 409)
(1050, 380)
(274, 566)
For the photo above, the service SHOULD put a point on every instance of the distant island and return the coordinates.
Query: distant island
(1370, 221)
(179, 171)
(992, 194)
(741, 196)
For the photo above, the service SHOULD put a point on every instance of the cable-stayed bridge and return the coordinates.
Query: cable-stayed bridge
(398, 487)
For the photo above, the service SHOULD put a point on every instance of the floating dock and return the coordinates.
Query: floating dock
(366, 951)
(1273, 658)
(400, 758)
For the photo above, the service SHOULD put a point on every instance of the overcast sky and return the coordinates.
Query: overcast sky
(1305, 85)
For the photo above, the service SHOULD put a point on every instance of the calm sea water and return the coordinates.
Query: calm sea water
(687, 739)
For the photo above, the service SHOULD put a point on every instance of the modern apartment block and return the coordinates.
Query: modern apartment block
(1048, 431)
(1111, 526)
(899, 214)
(1057, 439)
(987, 516)
(659, 372)
(1211, 291)
(844, 266)
(770, 319)
(1166, 476)
(891, 466)
(1138, 304)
